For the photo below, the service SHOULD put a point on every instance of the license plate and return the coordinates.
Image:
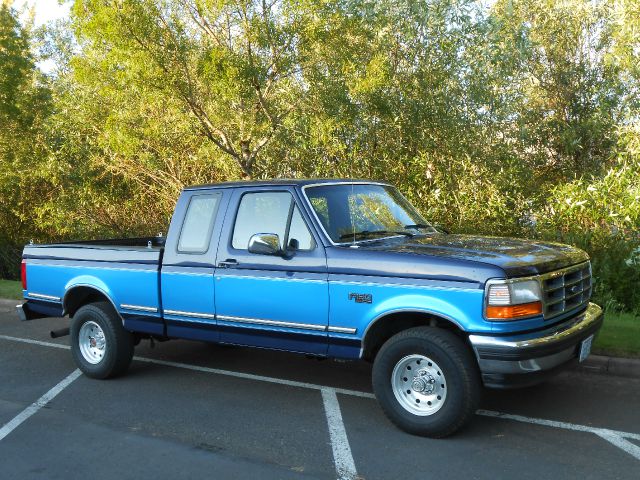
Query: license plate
(585, 348)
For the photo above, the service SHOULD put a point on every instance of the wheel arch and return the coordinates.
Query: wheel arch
(83, 294)
(388, 324)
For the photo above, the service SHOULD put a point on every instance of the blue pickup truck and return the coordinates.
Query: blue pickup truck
(330, 268)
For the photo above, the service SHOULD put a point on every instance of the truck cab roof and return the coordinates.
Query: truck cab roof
(279, 182)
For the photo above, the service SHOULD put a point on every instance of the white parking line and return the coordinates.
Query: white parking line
(216, 371)
(615, 437)
(250, 376)
(37, 405)
(621, 442)
(342, 458)
(34, 342)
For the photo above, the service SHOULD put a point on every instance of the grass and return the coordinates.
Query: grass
(619, 336)
(10, 289)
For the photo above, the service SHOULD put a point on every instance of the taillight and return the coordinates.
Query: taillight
(23, 275)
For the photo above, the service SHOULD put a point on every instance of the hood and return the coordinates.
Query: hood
(516, 257)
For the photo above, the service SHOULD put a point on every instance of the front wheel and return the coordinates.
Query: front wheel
(426, 381)
(100, 345)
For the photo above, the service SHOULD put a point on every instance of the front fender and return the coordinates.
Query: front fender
(462, 306)
(421, 304)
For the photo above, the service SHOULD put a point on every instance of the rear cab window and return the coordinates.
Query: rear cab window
(197, 226)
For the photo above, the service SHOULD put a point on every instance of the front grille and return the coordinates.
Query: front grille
(566, 289)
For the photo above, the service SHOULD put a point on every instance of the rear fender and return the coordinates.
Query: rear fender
(86, 282)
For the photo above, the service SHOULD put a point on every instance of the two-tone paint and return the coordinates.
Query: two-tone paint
(57, 273)
(324, 301)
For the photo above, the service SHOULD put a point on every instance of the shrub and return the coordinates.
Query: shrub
(602, 216)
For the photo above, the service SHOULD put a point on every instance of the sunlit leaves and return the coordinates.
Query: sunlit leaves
(513, 117)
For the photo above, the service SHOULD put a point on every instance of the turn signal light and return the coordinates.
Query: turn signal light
(508, 312)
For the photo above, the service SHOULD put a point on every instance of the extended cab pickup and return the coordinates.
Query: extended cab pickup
(332, 268)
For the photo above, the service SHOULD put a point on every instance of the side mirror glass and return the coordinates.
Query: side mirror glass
(265, 244)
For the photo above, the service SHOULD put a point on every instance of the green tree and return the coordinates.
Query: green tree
(234, 67)
(516, 117)
(24, 104)
(568, 99)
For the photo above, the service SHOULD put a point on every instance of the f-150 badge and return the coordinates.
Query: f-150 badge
(361, 297)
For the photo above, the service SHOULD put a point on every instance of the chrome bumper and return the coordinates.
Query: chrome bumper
(521, 360)
(21, 315)
(32, 310)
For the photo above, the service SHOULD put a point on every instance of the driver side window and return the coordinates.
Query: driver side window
(271, 212)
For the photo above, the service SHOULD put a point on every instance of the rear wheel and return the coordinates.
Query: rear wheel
(100, 345)
(426, 381)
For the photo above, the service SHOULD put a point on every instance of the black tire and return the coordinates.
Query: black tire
(114, 359)
(452, 360)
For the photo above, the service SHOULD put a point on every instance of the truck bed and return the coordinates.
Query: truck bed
(57, 272)
(144, 250)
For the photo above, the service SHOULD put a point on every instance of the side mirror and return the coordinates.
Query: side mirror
(265, 244)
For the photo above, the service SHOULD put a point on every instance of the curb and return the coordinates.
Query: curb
(620, 367)
(8, 305)
(600, 364)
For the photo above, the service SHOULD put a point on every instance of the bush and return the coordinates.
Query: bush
(602, 216)
(616, 269)
(10, 256)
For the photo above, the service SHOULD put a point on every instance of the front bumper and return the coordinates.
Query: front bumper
(524, 360)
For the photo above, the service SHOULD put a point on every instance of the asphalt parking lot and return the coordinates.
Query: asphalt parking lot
(189, 410)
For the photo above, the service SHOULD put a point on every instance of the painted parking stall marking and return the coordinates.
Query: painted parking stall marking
(345, 467)
(342, 457)
(34, 342)
(216, 371)
(38, 404)
(616, 438)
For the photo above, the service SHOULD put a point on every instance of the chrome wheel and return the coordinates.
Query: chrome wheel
(419, 385)
(92, 342)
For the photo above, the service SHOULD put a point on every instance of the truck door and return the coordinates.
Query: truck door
(188, 266)
(273, 301)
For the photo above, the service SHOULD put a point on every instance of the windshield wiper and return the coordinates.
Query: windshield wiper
(366, 233)
(418, 225)
(434, 228)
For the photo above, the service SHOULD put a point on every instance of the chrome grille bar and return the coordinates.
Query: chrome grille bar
(565, 289)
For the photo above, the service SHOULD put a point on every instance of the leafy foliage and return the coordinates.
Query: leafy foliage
(24, 106)
(519, 118)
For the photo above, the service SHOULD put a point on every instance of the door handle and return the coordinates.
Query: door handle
(228, 263)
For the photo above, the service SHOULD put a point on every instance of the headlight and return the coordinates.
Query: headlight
(512, 299)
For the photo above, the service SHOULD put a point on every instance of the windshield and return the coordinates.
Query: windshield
(354, 212)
